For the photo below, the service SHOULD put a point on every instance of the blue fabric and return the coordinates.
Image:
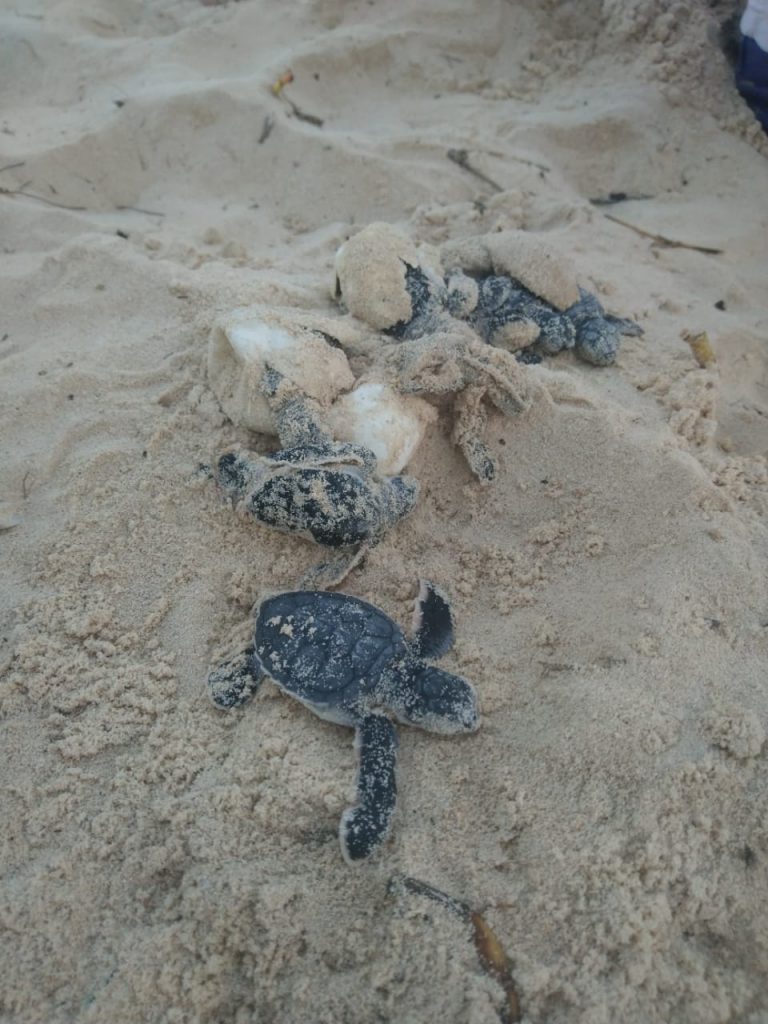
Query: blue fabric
(752, 78)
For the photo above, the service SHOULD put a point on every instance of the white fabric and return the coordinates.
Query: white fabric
(754, 22)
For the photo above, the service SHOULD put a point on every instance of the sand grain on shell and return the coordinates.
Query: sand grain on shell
(165, 862)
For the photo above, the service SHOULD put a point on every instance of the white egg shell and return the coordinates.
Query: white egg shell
(245, 340)
(390, 424)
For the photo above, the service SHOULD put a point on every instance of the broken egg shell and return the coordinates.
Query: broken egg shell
(244, 341)
(391, 425)
(543, 270)
(370, 275)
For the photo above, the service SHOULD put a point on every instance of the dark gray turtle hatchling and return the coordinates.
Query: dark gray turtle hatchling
(316, 487)
(585, 326)
(598, 334)
(350, 663)
(489, 303)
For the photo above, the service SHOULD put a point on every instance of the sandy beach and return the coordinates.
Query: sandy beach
(598, 850)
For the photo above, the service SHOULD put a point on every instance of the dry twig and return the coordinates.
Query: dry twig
(41, 199)
(461, 158)
(669, 243)
(490, 952)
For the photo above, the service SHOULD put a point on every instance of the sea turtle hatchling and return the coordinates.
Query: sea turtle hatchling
(350, 663)
(584, 326)
(316, 487)
(507, 298)
(513, 280)
(497, 306)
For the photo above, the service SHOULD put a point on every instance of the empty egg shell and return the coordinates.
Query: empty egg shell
(390, 424)
(246, 340)
(370, 275)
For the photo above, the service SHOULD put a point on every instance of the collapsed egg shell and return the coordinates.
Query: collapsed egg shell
(390, 424)
(532, 261)
(245, 340)
(370, 275)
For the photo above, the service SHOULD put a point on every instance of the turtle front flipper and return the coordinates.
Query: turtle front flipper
(366, 825)
(296, 417)
(432, 622)
(470, 418)
(236, 681)
(333, 572)
(625, 326)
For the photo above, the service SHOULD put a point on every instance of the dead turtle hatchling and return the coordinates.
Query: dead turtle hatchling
(316, 487)
(350, 663)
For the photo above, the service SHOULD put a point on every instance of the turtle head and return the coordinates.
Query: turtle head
(435, 700)
(400, 496)
(236, 474)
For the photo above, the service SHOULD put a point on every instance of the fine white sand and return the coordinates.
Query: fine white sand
(165, 862)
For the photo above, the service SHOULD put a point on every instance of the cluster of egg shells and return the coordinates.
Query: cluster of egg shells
(370, 284)
(368, 411)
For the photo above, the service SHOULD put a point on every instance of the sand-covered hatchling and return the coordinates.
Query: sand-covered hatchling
(460, 322)
(328, 491)
(514, 290)
(383, 279)
(452, 361)
(351, 664)
(504, 305)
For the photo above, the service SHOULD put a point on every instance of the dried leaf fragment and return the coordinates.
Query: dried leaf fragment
(279, 84)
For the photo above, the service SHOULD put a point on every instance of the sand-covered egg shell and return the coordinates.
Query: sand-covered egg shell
(529, 259)
(244, 341)
(370, 275)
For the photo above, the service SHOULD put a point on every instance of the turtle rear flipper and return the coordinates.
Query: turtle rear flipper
(333, 572)
(366, 825)
(399, 495)
(341, 454)
(470, 419)
(432, 622)
(236, 681)
(625, 326)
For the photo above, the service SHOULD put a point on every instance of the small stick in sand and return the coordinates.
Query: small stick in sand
(461, 158)
(618, 197)
(140, 209)
(277, 88)
(302, 115)
(266, 129)
(490, 951)
(670, 243)
(42, 199)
